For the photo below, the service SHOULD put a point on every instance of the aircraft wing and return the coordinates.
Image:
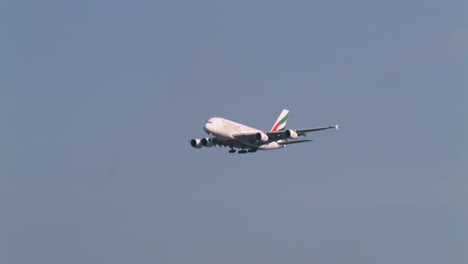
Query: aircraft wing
(249, 138)
(277, 135)
(304, 130)
(294, 141)
(252, 140)
(222, 142)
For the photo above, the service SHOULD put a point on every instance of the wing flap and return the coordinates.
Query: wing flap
(294, 142)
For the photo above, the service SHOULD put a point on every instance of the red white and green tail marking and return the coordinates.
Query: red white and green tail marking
(280, 123)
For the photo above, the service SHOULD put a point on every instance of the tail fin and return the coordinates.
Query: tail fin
(280, 123)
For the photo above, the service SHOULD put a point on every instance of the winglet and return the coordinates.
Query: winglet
(336, 126)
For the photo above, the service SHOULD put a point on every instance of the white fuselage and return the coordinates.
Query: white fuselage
(226, 129)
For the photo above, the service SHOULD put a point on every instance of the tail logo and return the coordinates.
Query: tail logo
(281, 121)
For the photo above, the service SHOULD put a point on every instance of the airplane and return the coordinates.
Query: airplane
(226, 133)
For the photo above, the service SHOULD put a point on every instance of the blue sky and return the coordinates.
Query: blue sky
(99, 100)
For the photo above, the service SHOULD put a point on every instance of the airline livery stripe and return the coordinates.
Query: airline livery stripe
(280, 122)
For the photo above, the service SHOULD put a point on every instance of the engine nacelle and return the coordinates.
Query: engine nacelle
(207, 142)
(291, 134)
(196, 143)
(261, 137)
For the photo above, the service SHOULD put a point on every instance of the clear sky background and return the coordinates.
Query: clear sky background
(99, 99)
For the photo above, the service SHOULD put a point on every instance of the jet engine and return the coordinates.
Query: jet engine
(261, 137)
(207, 142)
(196, 143)
(291, 134)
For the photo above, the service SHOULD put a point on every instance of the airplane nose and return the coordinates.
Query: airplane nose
(207, 127)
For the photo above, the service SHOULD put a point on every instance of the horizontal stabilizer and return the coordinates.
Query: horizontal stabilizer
(294, 142)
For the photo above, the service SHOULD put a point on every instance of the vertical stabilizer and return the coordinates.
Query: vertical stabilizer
(280, 123)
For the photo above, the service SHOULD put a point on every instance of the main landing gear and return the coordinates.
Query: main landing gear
(243, 151)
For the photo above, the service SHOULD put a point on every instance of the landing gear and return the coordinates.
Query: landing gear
(242, 151)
